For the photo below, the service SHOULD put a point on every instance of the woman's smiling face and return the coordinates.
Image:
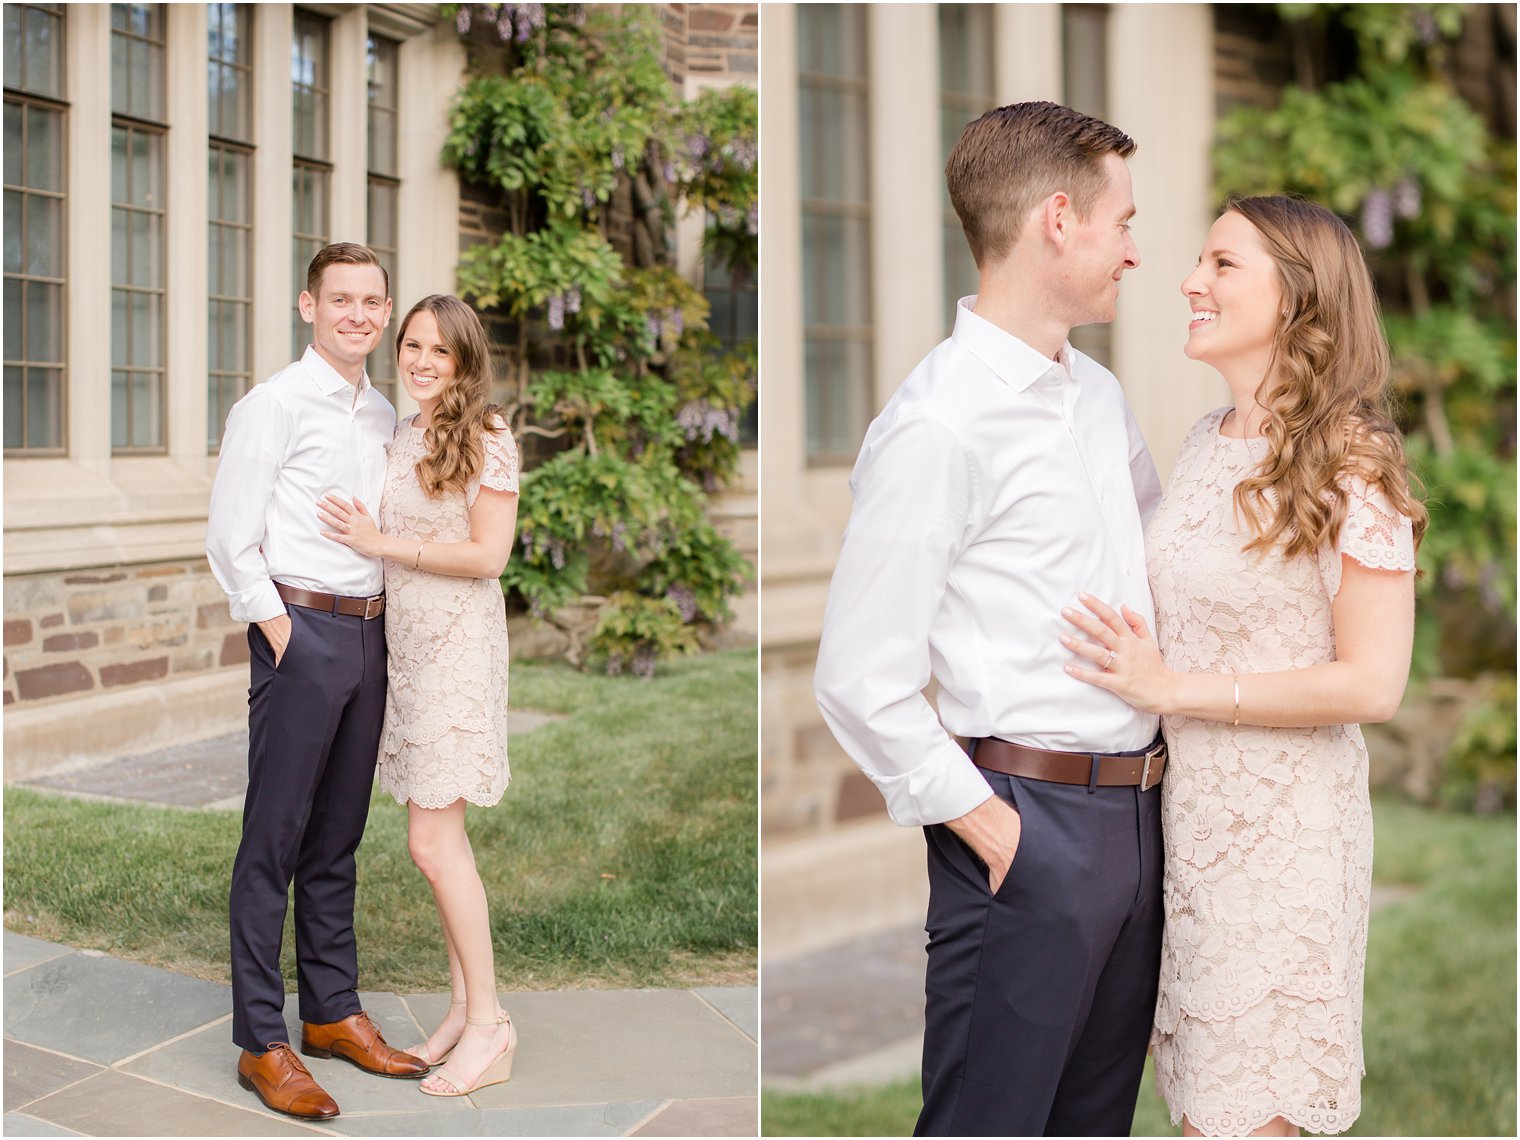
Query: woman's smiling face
(1236, 297)
(424, 360)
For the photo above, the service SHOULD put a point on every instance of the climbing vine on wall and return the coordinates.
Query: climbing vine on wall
(570, 119)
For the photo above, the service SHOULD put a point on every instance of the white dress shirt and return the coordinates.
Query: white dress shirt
(994, 486)
(300, 434)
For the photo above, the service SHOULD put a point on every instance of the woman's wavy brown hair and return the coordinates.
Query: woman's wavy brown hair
(1326, 395)
(455, 451)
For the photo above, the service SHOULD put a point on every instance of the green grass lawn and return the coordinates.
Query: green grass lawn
(1439, 1029)
(623, 854)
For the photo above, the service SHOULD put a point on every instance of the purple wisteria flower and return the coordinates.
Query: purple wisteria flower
(573, 299)
(588, 198)
(462, 20)
(675, 321)
(643, 662)
(1406, 198)
(700, 420)
(685, 601)
(530, 17)
(1377, 219)
(557, 312)
(617, 158)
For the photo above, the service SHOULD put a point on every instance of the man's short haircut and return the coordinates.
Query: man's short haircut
(342, 253)
(1013, 157)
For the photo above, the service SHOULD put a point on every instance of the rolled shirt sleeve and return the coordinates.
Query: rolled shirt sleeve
(253, 446)
(915, 493)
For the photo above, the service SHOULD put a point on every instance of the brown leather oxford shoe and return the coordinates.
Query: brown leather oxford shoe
(284, 1084)
(357, 1040)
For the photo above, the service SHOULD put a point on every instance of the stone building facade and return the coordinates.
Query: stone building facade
(116, 636)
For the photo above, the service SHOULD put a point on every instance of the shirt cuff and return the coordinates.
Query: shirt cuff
(257, 603)
(945, 788)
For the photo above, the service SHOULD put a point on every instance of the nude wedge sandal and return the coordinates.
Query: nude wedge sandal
(497, 1072)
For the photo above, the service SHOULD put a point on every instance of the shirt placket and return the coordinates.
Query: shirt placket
(1097, 468)
(364, 460)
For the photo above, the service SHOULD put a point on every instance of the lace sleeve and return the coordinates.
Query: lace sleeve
(499, 469)
(1374, 533)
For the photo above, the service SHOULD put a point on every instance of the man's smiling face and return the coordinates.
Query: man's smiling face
(348, 315)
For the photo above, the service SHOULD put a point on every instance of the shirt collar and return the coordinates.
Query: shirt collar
(327, 378)
(1014, 362)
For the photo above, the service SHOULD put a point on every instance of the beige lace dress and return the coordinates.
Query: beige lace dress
(445, 734)
(1268, 831)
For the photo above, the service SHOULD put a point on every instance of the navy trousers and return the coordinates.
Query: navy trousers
(1039, 999)
(313, 737)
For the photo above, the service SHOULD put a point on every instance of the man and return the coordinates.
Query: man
(316, 699)
(1004, 477)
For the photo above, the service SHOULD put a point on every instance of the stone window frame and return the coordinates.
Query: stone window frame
(31, 95)
(957, 107)
(226, 385)
(383, 183)
(229, 144)
(311, 168)
(236, 71)
(38, 288)
(139, 377)
(1084, 87)
(140, 49)
(133, 365)
(829, 444)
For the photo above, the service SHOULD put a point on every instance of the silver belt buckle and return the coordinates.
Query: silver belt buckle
(1145, 769)
(374, 606)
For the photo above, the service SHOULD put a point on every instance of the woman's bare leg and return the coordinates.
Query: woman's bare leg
(441, 849)
(446, 1036)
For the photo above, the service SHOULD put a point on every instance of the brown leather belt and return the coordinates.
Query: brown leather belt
(366, 608)
(1095, 769)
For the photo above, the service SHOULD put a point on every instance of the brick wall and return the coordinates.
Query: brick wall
(70, 635)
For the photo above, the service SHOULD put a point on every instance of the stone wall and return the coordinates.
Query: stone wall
(70, 635)
(1253, 57)
(718, 40)
(807, 783)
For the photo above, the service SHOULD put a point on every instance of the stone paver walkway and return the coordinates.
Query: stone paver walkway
(210, 773)
(853, 1014)
(98, 1046)
(850, 1014)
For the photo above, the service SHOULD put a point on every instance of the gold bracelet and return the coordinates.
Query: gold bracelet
(1236, 679)
(418, 563)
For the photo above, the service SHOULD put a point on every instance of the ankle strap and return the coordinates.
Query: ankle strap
(501, 1018)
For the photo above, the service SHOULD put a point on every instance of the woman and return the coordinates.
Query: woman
(1282, 565)
(445, 531)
